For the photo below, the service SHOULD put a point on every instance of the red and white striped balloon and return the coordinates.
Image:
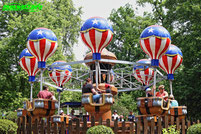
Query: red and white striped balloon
(42, 43)
(144, 76)
(61, 74)
(96, 33)
(171, 61)
(155, 41)
(60, 77)
(29, 64)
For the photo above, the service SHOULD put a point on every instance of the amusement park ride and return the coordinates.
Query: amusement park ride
(96, 33)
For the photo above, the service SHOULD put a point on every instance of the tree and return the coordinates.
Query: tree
(127, 28)
(59, 16)
(182, 19)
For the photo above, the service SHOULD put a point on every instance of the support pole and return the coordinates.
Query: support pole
(99, 73)
(171, 93)
(31, 93)
(68, 110)
(155, 72)
(59, 101)
(96, 74)
(41, 79)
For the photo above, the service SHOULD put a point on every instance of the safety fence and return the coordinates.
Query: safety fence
(80, 126)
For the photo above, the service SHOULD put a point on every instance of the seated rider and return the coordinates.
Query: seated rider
(162, 93)
(88, 88)
(149, 92)
(173, 102)
(45, 94)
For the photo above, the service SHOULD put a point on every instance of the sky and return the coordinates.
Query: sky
(101, 8)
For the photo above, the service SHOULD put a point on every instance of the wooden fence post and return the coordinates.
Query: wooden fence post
(36, 126)
(116, 126)
(24, 125)
(55, 128)
(138, 127)
(183, 125)
(145, 126)
(48, 126)
(77, 126)
(63, 128)
(108, 122)
(42, 129)
(100, 121)
(159, 123)
(123, 127)
(92, 121)
(152, 126)
(70, 127)
(29, 127)
(132, 128)
(177, 124)
(84, 125)
(19, 126)
(166, 122)
(172, 120)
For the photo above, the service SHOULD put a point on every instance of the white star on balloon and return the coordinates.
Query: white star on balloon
(27, 51)
(40, 32)
(151, 30)
(53, 34)
(95, 21)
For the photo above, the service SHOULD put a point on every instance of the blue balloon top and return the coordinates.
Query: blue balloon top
(42, 33)
(26, 53)
(155, 30)
(173, 50)
(142, 61)
(61, 67)
(97, 23)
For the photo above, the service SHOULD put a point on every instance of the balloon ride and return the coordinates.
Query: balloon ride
(96, 34)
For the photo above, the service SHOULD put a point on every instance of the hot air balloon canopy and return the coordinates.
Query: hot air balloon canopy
(42, 43)
(155, 41)
(29, 64)
(96, 33)
(171, 61)
(143, 74)
(60, 74)
(142, 61)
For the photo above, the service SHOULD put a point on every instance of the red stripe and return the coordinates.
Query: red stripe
(174, 60)
(177, 65)
(165, 62)
(147, 45)
(165, 48)
(92, 36)
(42, 44)
(84, 40)
(32, 65)
(31, 44)
(58, 78)
(52, 47)
(109, 41)
(24, 64)
(160, 65)
(157, 46)
(139, 78)
(103, 39)
(53, 78)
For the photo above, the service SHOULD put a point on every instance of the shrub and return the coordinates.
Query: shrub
(100, 129)
(7, 127)
(194, 129)
(11, 116)
(171, 130)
